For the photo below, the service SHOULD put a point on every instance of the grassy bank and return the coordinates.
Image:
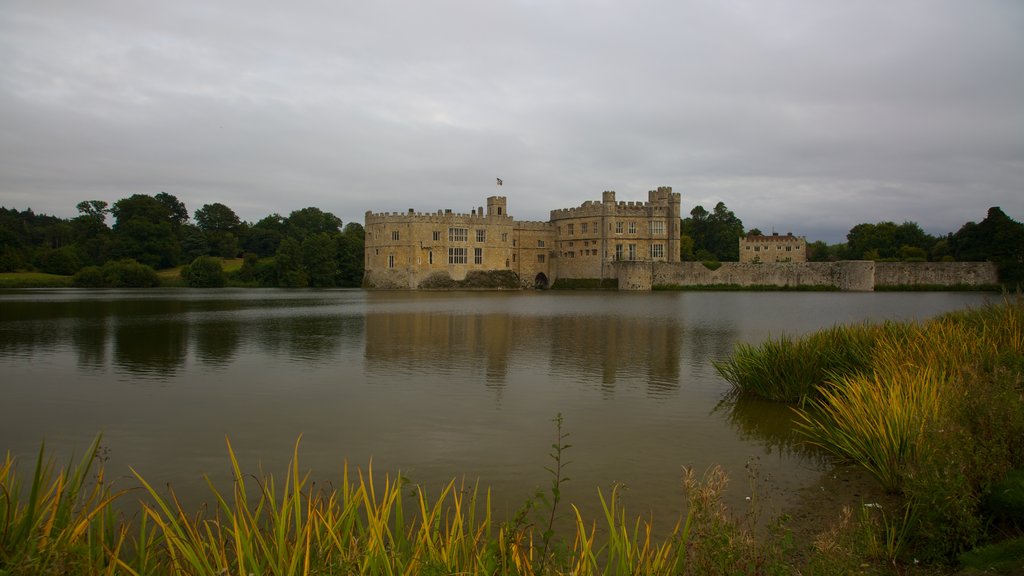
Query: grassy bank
(33, 280)
(934, 410)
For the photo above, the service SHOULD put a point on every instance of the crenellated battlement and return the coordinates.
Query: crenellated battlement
(439, 216)
(533, 225)
(660, 202)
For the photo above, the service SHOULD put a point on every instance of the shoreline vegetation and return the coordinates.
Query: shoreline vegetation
(933, 410)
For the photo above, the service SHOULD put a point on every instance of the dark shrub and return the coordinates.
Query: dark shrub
(63, 261)
(89, 277)
(204, 272)
(129, 274)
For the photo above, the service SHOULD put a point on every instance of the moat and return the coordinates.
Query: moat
(436, 384)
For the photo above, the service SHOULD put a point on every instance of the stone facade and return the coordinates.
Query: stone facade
(757, 248)
(403, 249)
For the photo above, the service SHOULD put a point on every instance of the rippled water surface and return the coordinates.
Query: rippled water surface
(437, 385)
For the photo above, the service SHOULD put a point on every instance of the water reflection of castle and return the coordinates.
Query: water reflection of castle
(601, 348)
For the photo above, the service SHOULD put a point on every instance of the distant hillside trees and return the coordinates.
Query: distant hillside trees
(155, 231)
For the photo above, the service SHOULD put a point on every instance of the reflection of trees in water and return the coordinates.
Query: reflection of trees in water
(89, 337)
(309, 338)
(216, 342)
(607, 348)
(28, 328)
(439, 343)
(770, 423)
(151, 348)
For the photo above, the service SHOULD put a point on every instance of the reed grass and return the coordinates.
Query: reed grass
(875, 421)
(367, 524)
(64, 524)
(788, 369)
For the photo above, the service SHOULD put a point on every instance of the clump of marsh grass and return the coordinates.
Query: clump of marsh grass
(64, 524)
(939, 417)
(295, 528)
(792, 370)
(875, 421)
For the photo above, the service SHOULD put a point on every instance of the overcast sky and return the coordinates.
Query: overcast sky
(805, 116)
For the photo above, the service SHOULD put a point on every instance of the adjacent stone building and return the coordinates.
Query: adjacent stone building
(414, 249)
(756, 248)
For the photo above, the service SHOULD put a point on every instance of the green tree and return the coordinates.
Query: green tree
(310, 221)
(176, 210)
(319, 260)
(885, 239)
(146, 231)
(92, 235)
(288, 265)
(204, 272)
(716, 233)
(685, 248)
(351, 253)
(818, 251)
(265, 236)
(998, 238)
(221, 226)
(193, 243)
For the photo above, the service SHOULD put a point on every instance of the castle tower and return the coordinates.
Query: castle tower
(496, 206)
(674, 222)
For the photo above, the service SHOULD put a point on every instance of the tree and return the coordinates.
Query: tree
(94, 209)
(204, 272)
(265, 236)
(146, 231)
(176, 210)
(217, 217)
(319, 260)
(885, 239)
(91, 233)
(220, 225)
(818, 251)
(998, 238)
(350, 252)
(716, 233)
(310, 221)
(288, 265)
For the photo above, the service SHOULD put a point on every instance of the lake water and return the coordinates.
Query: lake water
(438, 385)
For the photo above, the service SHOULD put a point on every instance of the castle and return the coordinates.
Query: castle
(414, 249)
(759, 248)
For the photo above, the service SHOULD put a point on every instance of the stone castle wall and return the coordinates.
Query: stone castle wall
(851, 275)
(935, 273)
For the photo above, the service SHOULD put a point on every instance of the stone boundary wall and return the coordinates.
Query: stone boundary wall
(935, 273)
(850, 275)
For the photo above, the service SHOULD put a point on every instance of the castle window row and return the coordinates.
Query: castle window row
(457, 255)
(458, 235)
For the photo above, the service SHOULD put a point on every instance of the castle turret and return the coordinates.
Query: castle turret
(496, 206)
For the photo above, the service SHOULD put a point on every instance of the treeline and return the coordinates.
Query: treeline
(714, 235)
(309, 247)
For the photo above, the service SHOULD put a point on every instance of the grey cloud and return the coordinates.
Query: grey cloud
(809, 116)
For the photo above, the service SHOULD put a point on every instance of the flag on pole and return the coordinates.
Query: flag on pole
(499, 181)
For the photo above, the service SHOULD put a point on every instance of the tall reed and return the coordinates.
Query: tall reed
(65, 524)
(788, 369)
